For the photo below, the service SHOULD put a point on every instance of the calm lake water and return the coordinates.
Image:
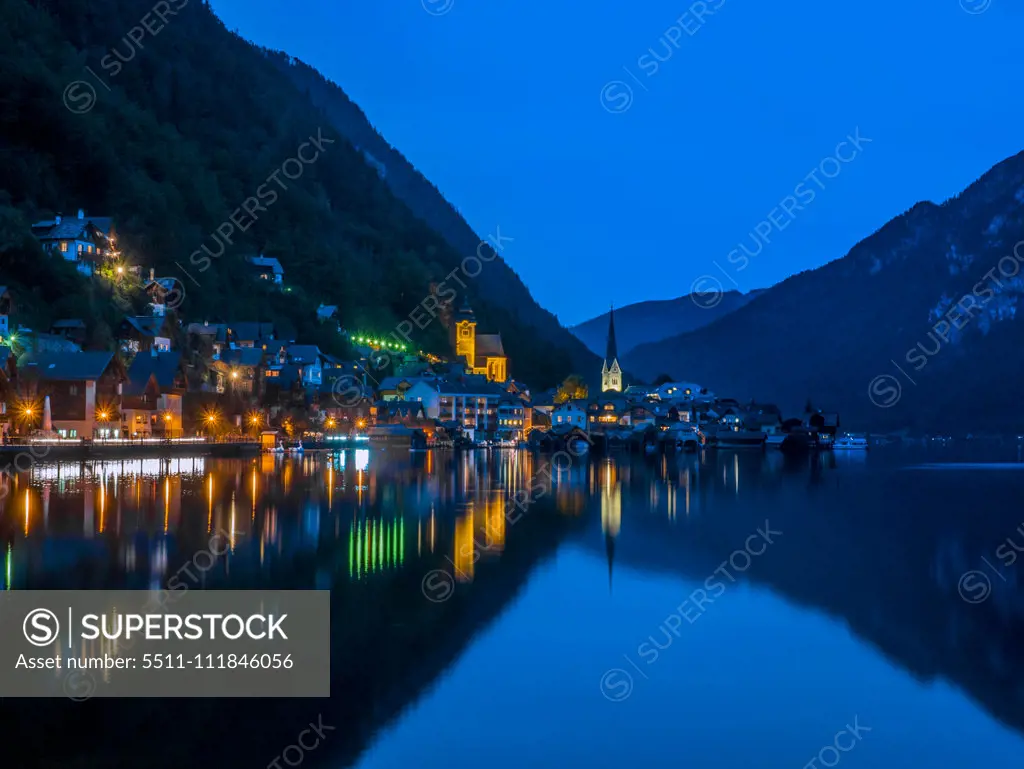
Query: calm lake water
(725, 610)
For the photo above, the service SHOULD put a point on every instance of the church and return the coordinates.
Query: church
(483, 353)
(611, 373)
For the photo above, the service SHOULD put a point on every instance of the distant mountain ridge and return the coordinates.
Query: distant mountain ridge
(652, 321)
(919, 326)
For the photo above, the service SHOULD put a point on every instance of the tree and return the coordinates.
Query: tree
(662, 379)
(573, 388)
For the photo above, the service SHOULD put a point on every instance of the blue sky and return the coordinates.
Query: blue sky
(511, 109)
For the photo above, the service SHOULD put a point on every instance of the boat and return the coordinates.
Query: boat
(293, 447)
(851, 443)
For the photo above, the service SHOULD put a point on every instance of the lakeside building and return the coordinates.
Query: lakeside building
(484, 354)
(83, 387)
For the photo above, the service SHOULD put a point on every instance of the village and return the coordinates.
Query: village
(176, 379)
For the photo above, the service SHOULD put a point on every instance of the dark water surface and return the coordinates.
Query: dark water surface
(726, 610)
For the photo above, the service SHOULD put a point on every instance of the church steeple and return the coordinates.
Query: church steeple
(611, 352)
(611, 374)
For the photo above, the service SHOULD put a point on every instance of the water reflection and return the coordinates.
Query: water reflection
(864, 543)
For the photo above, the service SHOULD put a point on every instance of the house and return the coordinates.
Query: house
(266, 268)
(394, 388)
(238, 370)
(39, 342)
(472, 402)
(671, 391)
(325, 312)
(408, 413)
(303, 359)
(163, 292)
(82, 386)
(140, 333)
(607, 412)
(151, 397)
(346, 398)
(427, 392)
(72, 329)
(207, 338)
(512, 418)
(86, 240)
(250, 334)
(569, 413)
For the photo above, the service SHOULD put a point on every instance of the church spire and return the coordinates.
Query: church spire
(611, 352)
(611, 374)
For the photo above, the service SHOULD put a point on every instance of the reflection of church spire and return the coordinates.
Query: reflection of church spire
(611, 512)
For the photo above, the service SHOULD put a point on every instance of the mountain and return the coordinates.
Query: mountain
(917, 327)
(156, 129)
(645, 322)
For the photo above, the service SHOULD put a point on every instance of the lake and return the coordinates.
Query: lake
(727, 609)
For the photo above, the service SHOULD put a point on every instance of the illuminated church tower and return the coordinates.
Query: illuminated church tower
(611, 374)
(483, 353)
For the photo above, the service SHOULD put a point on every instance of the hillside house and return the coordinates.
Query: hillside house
(86, 240)
(266, 268)
(138, 334)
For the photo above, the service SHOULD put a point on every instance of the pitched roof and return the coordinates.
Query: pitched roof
(66, 366)
(485, 388)
(167, 284)
(303, 353)
(242, 356)
(266, 261)
(163, 365)
(147, 325)
(205, 328)
(489, 346)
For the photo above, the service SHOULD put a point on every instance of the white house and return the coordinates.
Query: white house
(428, 393)
(83, 239)
(571, 414)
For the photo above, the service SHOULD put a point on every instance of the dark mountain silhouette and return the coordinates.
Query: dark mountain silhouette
(497, 281)
(645, 322)
(885, 318)
(171, 136)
